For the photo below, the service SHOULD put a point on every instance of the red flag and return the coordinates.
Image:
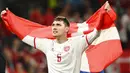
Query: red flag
(19, 26)
(107, 47)
(102, 52)
(22, 27)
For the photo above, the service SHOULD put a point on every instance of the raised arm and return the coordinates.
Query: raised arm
(18, 25)
(38, 43)
(83, 41)
(29, 40)
(22, 28)
(92, 36)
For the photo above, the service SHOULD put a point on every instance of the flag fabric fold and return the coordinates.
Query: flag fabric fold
(107, 47)
(103, 51)
(23, 27)
(19, 26)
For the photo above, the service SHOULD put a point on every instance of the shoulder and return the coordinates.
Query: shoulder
(43, 41)
(77, 38)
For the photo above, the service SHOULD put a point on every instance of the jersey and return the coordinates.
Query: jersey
(64, 57)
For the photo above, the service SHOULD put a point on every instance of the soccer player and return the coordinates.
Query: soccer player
(63, 54)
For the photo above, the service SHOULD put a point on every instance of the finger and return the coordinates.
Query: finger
(107, 6)
(7, 8)
(3, 12)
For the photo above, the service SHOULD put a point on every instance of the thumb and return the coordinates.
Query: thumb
(3, 12)
(7, 8)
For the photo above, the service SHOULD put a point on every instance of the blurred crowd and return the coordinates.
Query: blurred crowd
(22, 58)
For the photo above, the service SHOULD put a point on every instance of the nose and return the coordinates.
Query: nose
(54, 28)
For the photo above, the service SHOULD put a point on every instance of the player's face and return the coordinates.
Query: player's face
(59, 29)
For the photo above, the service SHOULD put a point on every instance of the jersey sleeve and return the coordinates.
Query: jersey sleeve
(39, 43)
(92, 36)
(84, 40)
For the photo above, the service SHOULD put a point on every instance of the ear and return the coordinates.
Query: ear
(67, 29)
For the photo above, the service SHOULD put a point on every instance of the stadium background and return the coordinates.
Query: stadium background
(21, 58)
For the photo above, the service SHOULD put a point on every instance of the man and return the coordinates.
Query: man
(63, 54)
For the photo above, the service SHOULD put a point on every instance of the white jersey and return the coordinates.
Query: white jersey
(65, 57)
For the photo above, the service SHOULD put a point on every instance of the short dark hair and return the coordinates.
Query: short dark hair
(62, 18)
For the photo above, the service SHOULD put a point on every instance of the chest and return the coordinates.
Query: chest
(61, 53)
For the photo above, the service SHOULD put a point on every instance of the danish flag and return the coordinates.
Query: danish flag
(102, 52)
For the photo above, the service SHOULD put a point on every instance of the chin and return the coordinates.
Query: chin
(55, 35)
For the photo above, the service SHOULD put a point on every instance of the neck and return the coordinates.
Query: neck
(61, 39)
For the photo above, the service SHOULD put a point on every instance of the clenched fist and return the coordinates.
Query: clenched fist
(3, 12)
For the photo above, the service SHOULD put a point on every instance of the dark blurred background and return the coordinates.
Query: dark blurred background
(21, 58)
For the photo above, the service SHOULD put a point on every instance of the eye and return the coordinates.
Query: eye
(58, 24)
(52, 24)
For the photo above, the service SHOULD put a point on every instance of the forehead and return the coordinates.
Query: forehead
(58, 22)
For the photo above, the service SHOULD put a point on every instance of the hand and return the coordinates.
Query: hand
(107, 6)
(4, 12)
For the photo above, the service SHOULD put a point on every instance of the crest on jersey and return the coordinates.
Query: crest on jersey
(66, 48)
(52, 49)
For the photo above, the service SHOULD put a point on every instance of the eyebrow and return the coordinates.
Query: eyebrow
(56, 24)
(52, 24)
